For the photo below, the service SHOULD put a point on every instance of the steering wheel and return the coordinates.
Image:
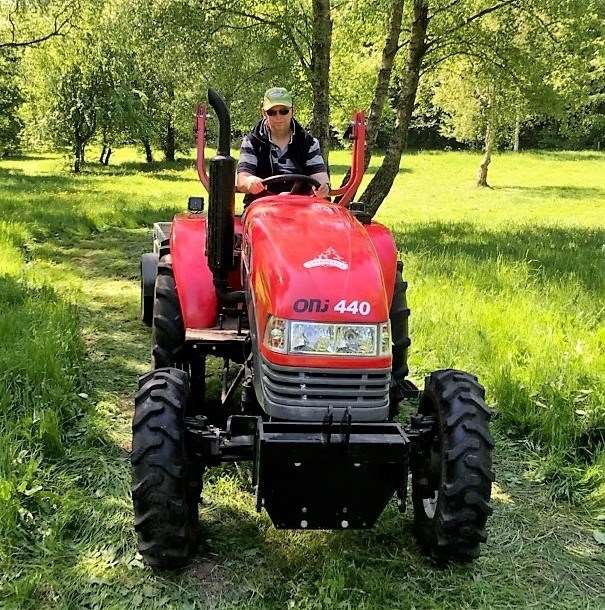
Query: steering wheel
(285, 178)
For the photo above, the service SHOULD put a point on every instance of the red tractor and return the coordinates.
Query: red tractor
(306, 297)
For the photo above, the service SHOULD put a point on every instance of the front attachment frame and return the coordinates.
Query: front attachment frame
(329, 475)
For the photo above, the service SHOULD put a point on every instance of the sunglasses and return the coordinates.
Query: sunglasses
(282, 111)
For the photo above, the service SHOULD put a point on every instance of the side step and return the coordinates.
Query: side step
(314, 475)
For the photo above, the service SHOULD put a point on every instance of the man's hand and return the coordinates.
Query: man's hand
(322, 191)
(254, 185)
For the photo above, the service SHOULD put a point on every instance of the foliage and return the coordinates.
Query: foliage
(10, 100)
(537, 62)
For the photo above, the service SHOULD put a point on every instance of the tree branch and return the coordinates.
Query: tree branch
(57, 30)
(469, 20)
(447, 7)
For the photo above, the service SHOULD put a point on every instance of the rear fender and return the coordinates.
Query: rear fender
(193, 277)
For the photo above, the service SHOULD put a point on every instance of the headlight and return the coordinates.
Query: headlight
(276, 334)
(385, 339)
(286, 336)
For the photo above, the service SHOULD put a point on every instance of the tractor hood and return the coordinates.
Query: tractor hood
(308, 259)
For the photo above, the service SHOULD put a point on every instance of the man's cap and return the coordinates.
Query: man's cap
(277, 96)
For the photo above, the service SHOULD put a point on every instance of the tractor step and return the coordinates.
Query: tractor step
(325, 475)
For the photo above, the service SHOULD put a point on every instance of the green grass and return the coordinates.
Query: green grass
(507, 282)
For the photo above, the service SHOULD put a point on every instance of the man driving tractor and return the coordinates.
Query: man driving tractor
(279, 145)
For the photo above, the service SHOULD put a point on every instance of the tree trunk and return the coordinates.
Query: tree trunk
(490, 137)
(383, 179)
(516, 133)
(148, 151)
(389, 51)
(169, 144)
(108, 154)
(102, 157)
(78, 155)
(320, 74)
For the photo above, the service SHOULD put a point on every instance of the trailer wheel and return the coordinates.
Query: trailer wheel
(168, 334)
(452, 467)
(148, 271)
(166, 487)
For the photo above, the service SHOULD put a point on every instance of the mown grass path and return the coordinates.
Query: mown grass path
(539, 554)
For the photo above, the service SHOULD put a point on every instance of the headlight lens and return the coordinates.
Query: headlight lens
(345, 339)
(276, 334)
(385, 339)
(286, 336)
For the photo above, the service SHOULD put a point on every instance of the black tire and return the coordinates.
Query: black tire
(399, 317)
(166, 487)
(148, 269)
(168, 334)
(452, 472)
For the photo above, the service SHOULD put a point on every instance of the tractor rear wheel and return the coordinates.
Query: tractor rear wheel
(168, 334)
(166, 484)
(398, 316)
(148, 271)
(452, 467)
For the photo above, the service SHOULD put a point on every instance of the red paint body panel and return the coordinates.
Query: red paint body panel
(287, 240)
(193, 277)
(194, 282)
(386, 251)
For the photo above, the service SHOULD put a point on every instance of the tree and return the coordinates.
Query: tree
(320, 74)
(74, 111)
(306, 31)
(382, 181)
(30, 23)
(10, 100)
(519, 75)
(438, 30)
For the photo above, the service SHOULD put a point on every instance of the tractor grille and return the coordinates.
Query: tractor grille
(355, 388)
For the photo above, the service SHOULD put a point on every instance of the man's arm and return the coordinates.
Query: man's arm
(324, 181)
(247, 181)
(316, 168)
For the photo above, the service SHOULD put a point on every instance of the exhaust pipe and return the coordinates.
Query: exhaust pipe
(221, 205)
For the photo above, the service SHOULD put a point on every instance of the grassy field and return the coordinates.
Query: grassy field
(507, 282)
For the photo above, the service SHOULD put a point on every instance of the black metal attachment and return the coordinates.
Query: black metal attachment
(212, 446)
(421, 428)
(307, 482)
(358, 209)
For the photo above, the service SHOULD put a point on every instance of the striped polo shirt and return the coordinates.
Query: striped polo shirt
(280, 160)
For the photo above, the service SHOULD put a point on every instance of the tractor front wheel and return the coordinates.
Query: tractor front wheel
(452, 467)
(166, 483)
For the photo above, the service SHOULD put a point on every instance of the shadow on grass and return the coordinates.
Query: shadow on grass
(129, 168)
(569, 155)
(381, 563)
(339, 169)
(29, 157)
(558, 253)
(558, 192)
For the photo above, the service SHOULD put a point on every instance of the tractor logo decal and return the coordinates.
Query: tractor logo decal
(328, 258)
